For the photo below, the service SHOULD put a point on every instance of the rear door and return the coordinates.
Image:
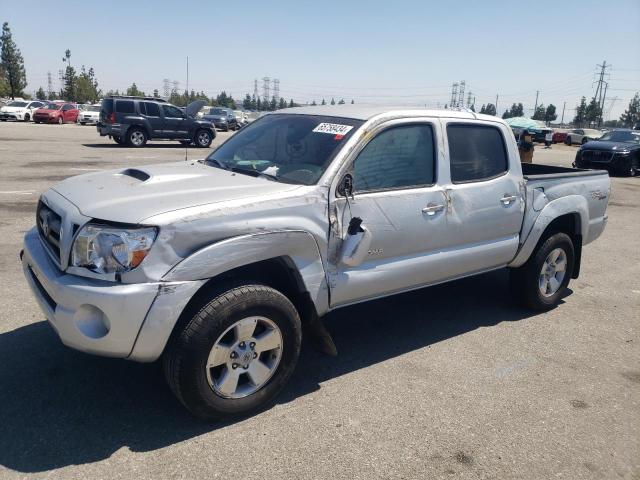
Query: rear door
(175, 122)
(486, 204)
(151, 112)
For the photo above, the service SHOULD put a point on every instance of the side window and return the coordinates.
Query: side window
(398, 157)
(124, 106)
(142, 108)
(66, 107)
(152, 109)
(171, 111)
(476, 153)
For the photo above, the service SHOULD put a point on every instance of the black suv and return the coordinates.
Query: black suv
(222, 118)
(134, 120)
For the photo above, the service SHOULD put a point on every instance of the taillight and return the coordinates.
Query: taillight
(111, 118)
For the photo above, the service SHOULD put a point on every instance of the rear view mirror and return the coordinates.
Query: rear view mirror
(345, 187)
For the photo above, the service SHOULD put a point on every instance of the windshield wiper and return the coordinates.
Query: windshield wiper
(216, 163)
(254, 173)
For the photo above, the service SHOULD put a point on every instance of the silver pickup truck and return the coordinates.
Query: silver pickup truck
(218, 266)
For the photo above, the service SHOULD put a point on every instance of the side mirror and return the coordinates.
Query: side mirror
(345, 187)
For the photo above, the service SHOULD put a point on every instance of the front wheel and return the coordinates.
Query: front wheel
(567, 141)
(584, 140)
(26, 117)
(60, 121)
(542, 281)
(236, 354)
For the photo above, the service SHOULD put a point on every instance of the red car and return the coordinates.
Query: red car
(56, 113)
(559, 135)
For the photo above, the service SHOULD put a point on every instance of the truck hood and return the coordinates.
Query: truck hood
(610, 146)
(131, 195)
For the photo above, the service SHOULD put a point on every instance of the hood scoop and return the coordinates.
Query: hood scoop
(135, 173)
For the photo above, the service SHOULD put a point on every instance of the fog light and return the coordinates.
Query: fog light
(92, 321)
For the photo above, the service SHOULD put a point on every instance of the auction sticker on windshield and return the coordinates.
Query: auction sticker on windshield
(333, 128)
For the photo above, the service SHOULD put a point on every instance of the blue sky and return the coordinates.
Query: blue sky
(394, 52)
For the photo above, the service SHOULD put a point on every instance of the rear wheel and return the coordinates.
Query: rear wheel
(136, 137)
(26, 117)
(118, 140)
(542, 281)
(236, 354)
(203, 138)
(567, 141)
(60, 121)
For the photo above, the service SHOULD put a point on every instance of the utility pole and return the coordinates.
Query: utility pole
(497, 105)
(564, 104)
(255, 89)
(187, 74)
(536, 107)
(469, 95)
(276, 88)
(604, 96)
(49, 85)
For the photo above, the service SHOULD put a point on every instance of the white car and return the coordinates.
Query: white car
(581, 136)
(90, 114)
(20, 110)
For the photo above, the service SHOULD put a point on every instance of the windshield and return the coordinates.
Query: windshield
(217, 111)
(287, 147)
(52, 106)
(621, 136)
(17, 104)
(93, 108)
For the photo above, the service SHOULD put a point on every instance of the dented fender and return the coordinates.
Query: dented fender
(570, 204)
(297, 245)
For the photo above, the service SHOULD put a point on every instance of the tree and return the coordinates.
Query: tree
(40, 94)
(313, 104)
(593, 112)
(69, 81)
(490, 109)
(341, 102)
(273, 104)
(506, 114)
(134, 91)
(352, 101)
(323, 102)
(539, 112)
(282, 103)
(87, 86)
(246, 103)
(291, 104)
(581, 113)
(11, 64)
(631, 116)
(483, 109)
(550, 113)
(333, 102)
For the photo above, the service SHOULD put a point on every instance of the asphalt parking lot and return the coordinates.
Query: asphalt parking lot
(454, 381)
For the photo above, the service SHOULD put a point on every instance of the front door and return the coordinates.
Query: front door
(175, 122)
(397, 196)
(151, 111)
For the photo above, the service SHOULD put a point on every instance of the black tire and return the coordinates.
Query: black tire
(186, 143)
(631, 169)
(136, 137)
(203, 138)
(567, 140)
(83, 123)
(60, 121)
(27, 117)
(37, 121)
(186, 355)
(584, 140)
(118, 140)
(226, 128)
(524, 280)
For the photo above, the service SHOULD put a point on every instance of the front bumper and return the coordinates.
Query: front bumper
(9, 116)
(100, 317)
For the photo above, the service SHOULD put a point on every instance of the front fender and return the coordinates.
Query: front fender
(220, 257)
(570, 204)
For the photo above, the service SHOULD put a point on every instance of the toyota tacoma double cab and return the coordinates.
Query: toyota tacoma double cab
(218, 266)
(132, 121)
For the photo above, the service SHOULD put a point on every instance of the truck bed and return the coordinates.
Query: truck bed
(536, 171)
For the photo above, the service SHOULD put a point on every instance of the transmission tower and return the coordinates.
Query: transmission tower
(61, 78)
(600, 94)
(276, 88)
(610, 108)
(454, 95)
(469, 95)
(49, 85)
(461, 94)
(175, 84)
(255, 89)
(166, 86)
(265, 89)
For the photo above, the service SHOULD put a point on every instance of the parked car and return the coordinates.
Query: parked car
(241, 117)
(541, 135)
(216, 265)
(222, 118)
(90, 114)
(617, 151)
(56, 112)
(20, 110)
(560, 135)
(580, 136)
(135, 120)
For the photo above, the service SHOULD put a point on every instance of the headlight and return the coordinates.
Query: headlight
(103, 249)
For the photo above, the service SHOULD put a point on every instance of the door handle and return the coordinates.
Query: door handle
(507, 199)
(433, 208)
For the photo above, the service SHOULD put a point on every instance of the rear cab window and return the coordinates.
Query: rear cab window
(476, 152)
(125, 106)
(107, 106)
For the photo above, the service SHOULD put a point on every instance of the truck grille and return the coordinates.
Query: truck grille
(50, 228)
(597, 156)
